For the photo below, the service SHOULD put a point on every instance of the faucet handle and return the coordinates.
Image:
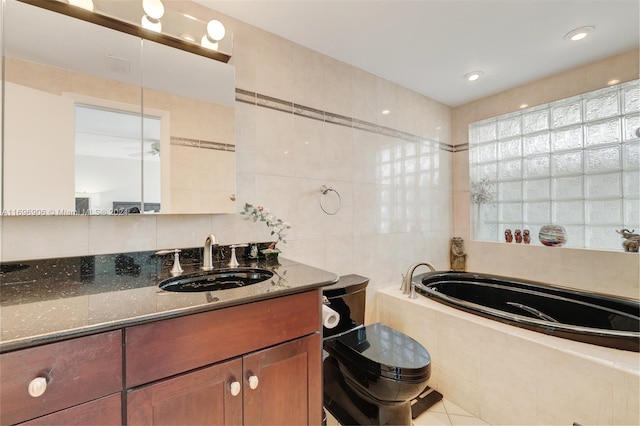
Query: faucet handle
(177, 268)
(233, 263)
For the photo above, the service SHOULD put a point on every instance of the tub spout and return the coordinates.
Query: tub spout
(407, 285)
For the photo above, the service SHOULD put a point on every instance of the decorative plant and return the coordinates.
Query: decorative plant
(262, 214)
(480, 193)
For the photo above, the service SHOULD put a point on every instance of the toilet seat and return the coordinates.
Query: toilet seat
(381, 351)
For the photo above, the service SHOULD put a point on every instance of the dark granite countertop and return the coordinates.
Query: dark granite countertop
(43, 301)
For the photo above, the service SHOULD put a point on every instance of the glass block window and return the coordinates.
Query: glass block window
(574, 162)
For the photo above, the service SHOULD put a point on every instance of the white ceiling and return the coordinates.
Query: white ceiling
(428, 45)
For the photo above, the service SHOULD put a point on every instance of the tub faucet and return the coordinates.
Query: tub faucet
(207, 256)
(407, 285)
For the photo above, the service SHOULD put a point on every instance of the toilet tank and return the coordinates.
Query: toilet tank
(347, 297)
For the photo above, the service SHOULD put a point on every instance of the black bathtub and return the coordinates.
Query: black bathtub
(598, 319)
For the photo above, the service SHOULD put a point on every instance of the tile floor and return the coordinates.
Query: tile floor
(443, 413)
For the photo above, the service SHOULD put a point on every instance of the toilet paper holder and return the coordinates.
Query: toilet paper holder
(330, 318)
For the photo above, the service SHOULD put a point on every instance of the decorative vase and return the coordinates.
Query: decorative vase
(553, 235)
(478, 222)
(271, 256)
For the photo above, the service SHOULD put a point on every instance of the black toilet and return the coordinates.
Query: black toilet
(371, 373)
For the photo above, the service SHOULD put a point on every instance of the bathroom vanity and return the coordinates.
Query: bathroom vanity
(244, 356)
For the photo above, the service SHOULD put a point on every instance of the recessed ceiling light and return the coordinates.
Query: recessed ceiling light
(386, 111)
(613, 82)
(473, 76)
(523, 106)
(579, 33)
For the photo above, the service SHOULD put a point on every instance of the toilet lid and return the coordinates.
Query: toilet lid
(384, 351)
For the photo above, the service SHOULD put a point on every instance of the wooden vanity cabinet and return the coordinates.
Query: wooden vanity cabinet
(258, 363)
(72, 376)
(255, 364)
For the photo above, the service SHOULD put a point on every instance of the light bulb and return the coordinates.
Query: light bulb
(215, 30)
(154, 9)
(150, 25)
(207, 43)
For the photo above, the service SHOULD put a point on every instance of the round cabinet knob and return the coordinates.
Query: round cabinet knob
(37, 386)
(235, 388)
(253, 382)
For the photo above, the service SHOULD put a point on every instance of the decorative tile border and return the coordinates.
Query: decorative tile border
(196, 143)
(461, 147)
(264, 101)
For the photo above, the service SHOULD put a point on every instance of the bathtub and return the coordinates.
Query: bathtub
(509, 375)
(598, 319)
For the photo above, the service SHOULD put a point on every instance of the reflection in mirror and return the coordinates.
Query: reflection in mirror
(107, 160)
(43, 82)
(55, 80)
(200, 151)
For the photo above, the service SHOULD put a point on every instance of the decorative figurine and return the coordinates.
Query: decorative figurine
(631, 241)
(526, 237)
(553, 235)
(508, 236)
(518, 236)
(458, 255)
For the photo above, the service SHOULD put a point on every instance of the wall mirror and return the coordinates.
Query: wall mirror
(97, 121)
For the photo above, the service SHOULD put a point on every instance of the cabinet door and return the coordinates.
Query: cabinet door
(203, 397)
(282, 384)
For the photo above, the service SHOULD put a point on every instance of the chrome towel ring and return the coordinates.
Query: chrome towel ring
(324, 190)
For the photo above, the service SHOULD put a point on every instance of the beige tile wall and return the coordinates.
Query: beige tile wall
(607, 272)
(388, 218)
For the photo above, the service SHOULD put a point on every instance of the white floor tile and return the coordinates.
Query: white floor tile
(457, 420)
(442, 413)
(454, 409)
(438, 407)
(432, 418)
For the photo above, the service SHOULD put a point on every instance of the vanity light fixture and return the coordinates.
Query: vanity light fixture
(182, 31)
(153, 11)
(473, 76)
(579, 33)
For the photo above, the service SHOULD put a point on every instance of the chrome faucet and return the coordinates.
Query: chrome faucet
(407, 285)
(207, 256)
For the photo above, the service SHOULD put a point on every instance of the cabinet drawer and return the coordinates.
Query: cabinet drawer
(76, 371)
(169, 347)
(103, 411)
